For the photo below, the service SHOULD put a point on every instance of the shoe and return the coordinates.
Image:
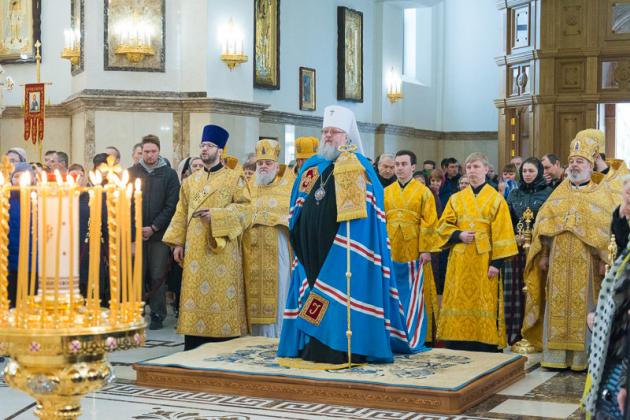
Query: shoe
(156, 323)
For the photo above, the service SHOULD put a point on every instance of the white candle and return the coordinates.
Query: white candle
(50, 256)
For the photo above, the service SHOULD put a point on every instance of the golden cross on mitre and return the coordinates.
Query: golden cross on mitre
(6, 168)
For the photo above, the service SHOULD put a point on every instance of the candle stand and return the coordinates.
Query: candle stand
(59, 330)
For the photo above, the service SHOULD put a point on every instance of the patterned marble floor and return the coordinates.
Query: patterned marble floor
(541, 394)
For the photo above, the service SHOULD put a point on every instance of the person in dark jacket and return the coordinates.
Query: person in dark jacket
(620, 226)
(160, 193)
(14, 229)
(531, 193)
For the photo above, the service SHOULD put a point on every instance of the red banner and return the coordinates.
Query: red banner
(34, 98)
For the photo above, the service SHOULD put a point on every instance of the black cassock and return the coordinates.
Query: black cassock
(311, 237)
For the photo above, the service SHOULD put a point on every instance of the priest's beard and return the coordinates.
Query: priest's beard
(265, 178)
(328, 151)
(577, 176)
(211, 159)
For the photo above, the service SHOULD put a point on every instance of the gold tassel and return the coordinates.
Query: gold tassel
(350, 186)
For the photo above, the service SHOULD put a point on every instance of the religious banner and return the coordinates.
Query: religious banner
(34, 112)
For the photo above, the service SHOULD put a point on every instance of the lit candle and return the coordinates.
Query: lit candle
(138, 258)
(33, 248)
(4, 246)
(54, 242)
(25, 212)
(113, 229)
(71, 243)
(96, 204)
(41, 224)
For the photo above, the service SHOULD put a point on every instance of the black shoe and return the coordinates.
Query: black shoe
(156, 322)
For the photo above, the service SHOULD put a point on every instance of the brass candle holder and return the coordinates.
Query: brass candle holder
(56, 337)
(72, 54)
(524, 229)
(612, 252)
(524, 240)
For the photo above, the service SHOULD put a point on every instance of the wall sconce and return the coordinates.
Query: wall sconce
(232, 49)
(394, 86)
(134, 40)
(72, 45)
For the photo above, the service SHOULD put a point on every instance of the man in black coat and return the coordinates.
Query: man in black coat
(160, 193)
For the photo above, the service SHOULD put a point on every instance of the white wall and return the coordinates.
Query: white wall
(223, 83)
(422, 102)
(308, 38)
(470, 72)
(55, 17)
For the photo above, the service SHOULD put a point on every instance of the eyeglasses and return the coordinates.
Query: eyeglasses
(332, 131)
(206, 145)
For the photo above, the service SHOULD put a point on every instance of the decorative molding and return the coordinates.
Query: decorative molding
(470, 135)
(52, 111)
(277, 117)
(143, 93)
(399, 130)
(182, 104)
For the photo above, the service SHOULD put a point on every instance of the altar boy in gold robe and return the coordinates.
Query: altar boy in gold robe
(411, 220)
(205, 232)
(266, 253)
(565, 263)
(476, 225)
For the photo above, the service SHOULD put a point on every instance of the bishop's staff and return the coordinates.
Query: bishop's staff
(350, 189)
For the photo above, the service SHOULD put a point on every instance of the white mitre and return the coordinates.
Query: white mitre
(343, 119)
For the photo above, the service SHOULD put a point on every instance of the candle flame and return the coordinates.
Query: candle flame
(125, 178)
(98, 178)
(25, 179)
(70, 180)
(1, 179)
(34, 197)
(138, 184)
(129, 190)
(43, 179)
(112, 178)
(58, 177)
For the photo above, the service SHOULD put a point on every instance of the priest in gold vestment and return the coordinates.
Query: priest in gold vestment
(212, 213)
(476, 224)
(266, 246)
(305, 147)
(613, 170)
(566, 260)
(411, 220)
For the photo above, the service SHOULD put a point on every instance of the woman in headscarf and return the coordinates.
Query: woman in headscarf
(14, 226)
(608, 356)
(531, 193)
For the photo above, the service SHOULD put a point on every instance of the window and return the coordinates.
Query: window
(417, 45)
(409, 44)
(289, 143)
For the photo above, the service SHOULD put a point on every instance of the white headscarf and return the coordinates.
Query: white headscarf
(343, 119)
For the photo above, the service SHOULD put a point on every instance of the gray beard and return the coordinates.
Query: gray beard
(328, 152)
(265, 178)
(580, 177)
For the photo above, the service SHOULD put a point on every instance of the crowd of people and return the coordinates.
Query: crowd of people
(266, 249)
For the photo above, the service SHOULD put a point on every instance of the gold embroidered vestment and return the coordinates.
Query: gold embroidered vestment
(572, 229)
(472, 305)
(212, 300)
(411, 221)
(270, 218)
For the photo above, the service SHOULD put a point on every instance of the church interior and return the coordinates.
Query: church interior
(439, 78)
